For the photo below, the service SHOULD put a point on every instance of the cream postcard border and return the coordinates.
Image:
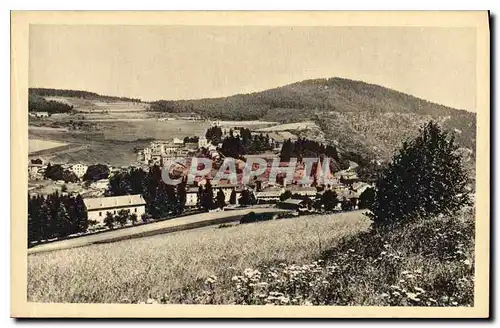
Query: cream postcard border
(20, 21)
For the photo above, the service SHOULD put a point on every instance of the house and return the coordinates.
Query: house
(35, 171)
(269, 194)
(100, 184)
(202, 142)
(98, 207)
(79, 170)
(292, 204)
(178, 141)
(192, 194)
(39, 114)
(302, 190)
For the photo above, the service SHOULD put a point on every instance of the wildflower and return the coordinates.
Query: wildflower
(284, 299)
(420, 290)
(454, 303)
(394, 287)
(413, 297)
(401, 280)
(384, 295)
(396, 294)
(235, 278)
(262, 284)
(324, 282)
(211, 280)
(151, 301)
(467, 262)
(308, 303)
(405, 272)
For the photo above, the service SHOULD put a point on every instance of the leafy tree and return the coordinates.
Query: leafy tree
(109, 220)
(329, 200)
(426, 177)
(69, 176)
(122, 217)
(221, 199)
(366, 198)
(54, 172)
(96, 172)
(285, 195)
(133, 218)
(246, 198)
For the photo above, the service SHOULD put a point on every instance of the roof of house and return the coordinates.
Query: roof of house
(110, 202)
(293, 201)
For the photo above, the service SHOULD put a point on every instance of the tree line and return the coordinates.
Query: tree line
(45, 92)
(39, 104)
(55, 216)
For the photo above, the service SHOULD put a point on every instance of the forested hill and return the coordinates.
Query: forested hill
(334, 94)
(357, 116)
(45, 92)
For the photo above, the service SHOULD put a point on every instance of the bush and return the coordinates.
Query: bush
(253, 217)
(425, 178)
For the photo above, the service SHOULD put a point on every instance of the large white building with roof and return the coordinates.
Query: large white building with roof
(98, 207)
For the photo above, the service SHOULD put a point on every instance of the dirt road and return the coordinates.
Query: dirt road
(178, 224)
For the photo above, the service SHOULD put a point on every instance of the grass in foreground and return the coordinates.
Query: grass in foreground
(179, 264)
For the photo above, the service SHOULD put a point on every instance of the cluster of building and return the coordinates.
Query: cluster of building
(38, 114)
(36, 171)
(264, 189)
(161, 151)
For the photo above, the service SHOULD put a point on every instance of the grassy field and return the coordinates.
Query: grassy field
(113, 142)
(35, 145)
(178, 263)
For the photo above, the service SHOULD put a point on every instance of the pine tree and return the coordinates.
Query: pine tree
(232, 198)
(221, 199)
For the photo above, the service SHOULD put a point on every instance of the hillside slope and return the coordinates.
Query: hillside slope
(357, 116)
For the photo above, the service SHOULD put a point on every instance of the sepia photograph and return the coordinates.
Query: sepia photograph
(266, 164)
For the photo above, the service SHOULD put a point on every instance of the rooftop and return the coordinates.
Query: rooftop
(110, 202)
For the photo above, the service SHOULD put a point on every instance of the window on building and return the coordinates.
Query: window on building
(135, 210)
(100, 213)
(114, 212)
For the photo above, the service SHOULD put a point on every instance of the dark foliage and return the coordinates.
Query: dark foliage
(96, 172)
(425, 178)
(39, 104)
(44, 92)
(55, 216)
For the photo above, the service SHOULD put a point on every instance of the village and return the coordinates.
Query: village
(92, 182)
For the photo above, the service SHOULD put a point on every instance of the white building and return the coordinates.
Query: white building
(202, 142)
(79, 170)
(39, 114)
(100, 184)
(98, 207)
(178, 141)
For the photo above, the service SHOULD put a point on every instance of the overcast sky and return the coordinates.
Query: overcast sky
(154, 62)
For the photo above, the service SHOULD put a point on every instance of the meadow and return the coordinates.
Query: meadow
(312, 260)
(177, 264)
(35, 145)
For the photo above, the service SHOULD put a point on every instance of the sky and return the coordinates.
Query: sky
(190, 62)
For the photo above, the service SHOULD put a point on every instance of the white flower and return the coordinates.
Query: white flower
(420, 290)
(413, 297)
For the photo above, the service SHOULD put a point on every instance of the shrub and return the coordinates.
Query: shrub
(253, 217)
(425, 178)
